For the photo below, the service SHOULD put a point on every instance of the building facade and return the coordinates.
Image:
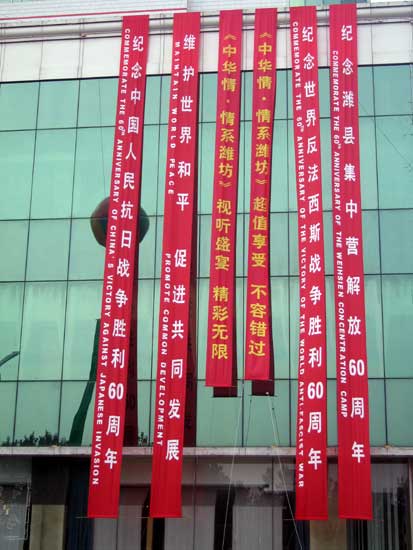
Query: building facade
(58, 74)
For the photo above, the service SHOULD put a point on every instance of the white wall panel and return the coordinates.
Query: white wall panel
(323, 46)
(21, 61)
(209, 52)
(364, 45)
(60, 59)
(392, 43)
(100, 57)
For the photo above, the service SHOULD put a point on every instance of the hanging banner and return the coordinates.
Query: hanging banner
(176, 266)
(113, 355)
(221, 343)
(354, 477)
(311, 459)
(258, 330)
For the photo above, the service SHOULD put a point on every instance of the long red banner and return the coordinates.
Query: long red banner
(176, 263)
(221, 347)
(113, 358)
(311, 459)
(258, 330)
(351, 357)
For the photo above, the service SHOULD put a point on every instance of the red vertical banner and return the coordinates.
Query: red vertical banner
(176, 266)
(221, 347)
(311, 459)
(123, 219)
(258, 330)
(354, 477)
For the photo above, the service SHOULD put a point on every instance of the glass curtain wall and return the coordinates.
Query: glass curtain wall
(55, 163)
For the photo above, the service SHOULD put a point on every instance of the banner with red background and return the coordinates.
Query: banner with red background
(123, 219)
(221, 343)
(354, 477)
(258, 330)
(311, 444)
(180, 207)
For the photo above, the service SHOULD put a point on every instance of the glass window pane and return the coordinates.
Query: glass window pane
(48, 251)
(280, 328)
(11, 305)
(97, 102)
(395, 161)
(392, 88)
(87, 257)
(374, 328)
(43, 331)
(325, 137)
(332, 412)
(93, 168)
(278, 244)
(279, 169)
(246, 96)
(206, 167)
(368, 170)
(371, 249)
(58, 104)
(377, 413)
(18, 106)
(281, 95)
(13, 243)
(244, 173)
(16, 167)
(366, 107)
(151, 408)
(396, 241)
(83, 310)
(159, 240)
(37, 413)
(202, 325)
(204, 233)
(324, 92)
(218, 419)
(258, 425)
(289, 94)
(76, 413)
(399, 412)
(163, 136)
(53, 174)
(145, 390)
(165, 86)
(208, 97)
(146, 313)
(152, 99)
(398, 322)
(294, 325)
(330, 328)
(7, 410)
(150, 187)
(147, 251)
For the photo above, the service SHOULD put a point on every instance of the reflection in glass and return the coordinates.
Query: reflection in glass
(43, 331)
